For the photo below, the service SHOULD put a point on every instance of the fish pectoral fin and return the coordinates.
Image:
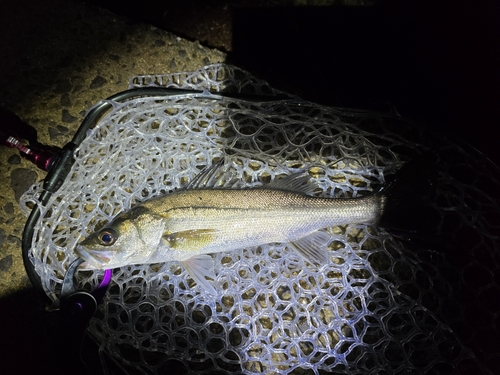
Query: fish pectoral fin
(312, 247)
(194, 239)
(200, 267)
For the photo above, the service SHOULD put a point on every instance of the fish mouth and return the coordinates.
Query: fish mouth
(94, 259)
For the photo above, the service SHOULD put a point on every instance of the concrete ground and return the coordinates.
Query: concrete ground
(58, 57)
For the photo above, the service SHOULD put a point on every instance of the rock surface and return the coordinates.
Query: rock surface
(50, 79)
(59, 58)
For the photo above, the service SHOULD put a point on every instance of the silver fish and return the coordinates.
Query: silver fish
(201, 219)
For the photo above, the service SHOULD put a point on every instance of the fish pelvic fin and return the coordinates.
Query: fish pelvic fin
(312, 247)
(199, 268)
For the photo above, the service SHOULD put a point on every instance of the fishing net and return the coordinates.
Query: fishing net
(382, 304)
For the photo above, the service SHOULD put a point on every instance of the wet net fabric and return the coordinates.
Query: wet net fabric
(381, 305)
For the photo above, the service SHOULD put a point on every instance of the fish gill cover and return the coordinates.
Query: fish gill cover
(380, 305)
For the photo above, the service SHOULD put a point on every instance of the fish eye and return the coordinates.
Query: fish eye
(107, 237)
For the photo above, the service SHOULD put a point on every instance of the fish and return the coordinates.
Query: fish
(188, 224)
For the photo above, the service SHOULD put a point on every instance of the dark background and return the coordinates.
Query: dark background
(436, 62)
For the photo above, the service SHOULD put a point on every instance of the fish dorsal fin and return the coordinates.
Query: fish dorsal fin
(199, 267)
(299, 182)
(206, 177)
(214, 176)
(312, 247)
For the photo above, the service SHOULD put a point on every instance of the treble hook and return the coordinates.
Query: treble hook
(79, 303)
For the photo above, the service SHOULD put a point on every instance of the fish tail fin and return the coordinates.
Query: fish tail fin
(407, 209)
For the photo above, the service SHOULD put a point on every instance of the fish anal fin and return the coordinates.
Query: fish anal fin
(296, 182)
(312, 247)
(200, 267)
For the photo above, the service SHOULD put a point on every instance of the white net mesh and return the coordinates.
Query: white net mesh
(378, 304)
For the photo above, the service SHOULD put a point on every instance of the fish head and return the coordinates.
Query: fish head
(130, 238)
